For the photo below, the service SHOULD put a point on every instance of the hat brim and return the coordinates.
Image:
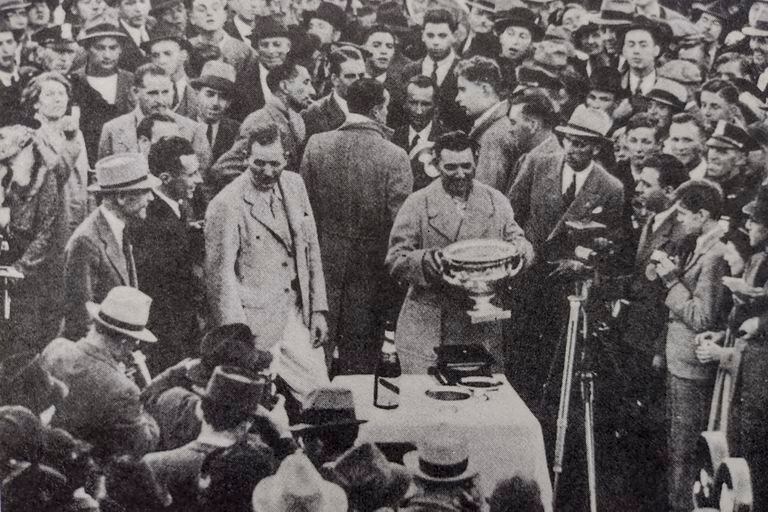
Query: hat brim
(214, 82)
(570, 130)
(268, 498)
(183, 43)
(85, 39)
(17, 5)
(306, 427)
(411, 461)
(147, 184)
(717, 142)
(143, 335)
(754, 32)
(666, 102)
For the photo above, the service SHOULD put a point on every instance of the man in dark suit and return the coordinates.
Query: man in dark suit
(215, 87)
(133, 17)
(10, 81)
(162, 252)
(99, 254)
(439, 35)
(346, 66)
(381, 43)
(356, 180)
(481, 40)
(421, 128)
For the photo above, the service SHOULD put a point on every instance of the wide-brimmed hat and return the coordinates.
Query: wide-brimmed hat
(442, 456)
(606, 79)
(237, 388)
(65, 33)
(166, 32)
(10, 5)
(98, 31)
(298, 486)
(228, 345)
(329, 12)
(217, 75)
(518, 17)
(588, 123)
(714, 8)
(669, 92)
(757, 209)
(123, 171)
(758, 26)
(615, 12)
(13, 139)
(730, 136)
(682, 71)
(326, 407)
(126, 310)
(369, 478)
(24, 381)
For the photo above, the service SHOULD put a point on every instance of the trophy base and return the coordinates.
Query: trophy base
(488, 314)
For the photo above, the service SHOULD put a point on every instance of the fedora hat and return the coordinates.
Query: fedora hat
(369, 478)
(758, 26)
(228, 345)
(98, 31)
(669, 92)
(328, 12)
(327, 407)
(24, 381)
(518, 17)
(714, 8)
(217, 75)
(606, 79)
(730, 136)
(757, 209)
(588, 123)
(235, 387)
(65, 33)
(298, 486)
(125, 310)
(166, 32)
(442, 456)
(615, 12)
(123, 171)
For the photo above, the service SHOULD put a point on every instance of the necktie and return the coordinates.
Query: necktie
(129, 261)
(414, 142)
(570, 193)
(209, 134)
(434, 75)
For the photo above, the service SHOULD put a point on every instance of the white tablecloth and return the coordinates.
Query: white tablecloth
(505, 438)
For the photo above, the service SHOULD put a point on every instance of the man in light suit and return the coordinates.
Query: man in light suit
(99, 256)
(263, 265)
(455, 207)
(153, 90)
(357, 180)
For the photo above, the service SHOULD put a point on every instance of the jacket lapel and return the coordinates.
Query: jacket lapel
(294, 210)
(711, 239)
(499, 111)
(111, 248)
(260, 212)
(442, 214)
(477, 216)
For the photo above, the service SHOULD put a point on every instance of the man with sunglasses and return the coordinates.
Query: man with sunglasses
(455, 207)
(262, 263)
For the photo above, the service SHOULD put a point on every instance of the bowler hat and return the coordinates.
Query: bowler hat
(125, 310)
(217, 75)
(369, 478)
(588, 123)
(328, 12)
(166, 32)
(758, 26)
(123, 171)
(615, 12)
(606, 79)
(24, 381)
(442, 457)
(757, 209)
(518, 17)
(236, 388)
(228, 345)
(327, 407)
(98, 31)
(56, 34)
(10, 5)
(669, 92)
(266, 27)
(730, 136)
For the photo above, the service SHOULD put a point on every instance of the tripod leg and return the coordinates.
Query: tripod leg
(587, 397)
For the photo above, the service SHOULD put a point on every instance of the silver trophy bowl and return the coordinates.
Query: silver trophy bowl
(476, 266)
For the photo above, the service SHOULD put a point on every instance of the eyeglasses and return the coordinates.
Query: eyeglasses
(465, 166)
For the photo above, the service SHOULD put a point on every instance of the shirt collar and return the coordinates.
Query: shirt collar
(342, 103)
(485, 115)
(170, 202)
(660, 217)
(381, 78)
(705, 240)
(447, 61)
(116, 224)
(8, 78)
(423, 134)
(137, 34)
(243, 28)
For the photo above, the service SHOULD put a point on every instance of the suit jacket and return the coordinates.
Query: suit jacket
(248, 263)
(323, 115)
(119, 136)
(187, 104)
(432, 314)
(400, 138)
(486, 45)
(537, 200)
(177, 472)
(548, 145)
(95, 111)
(356, 180)
(231, 29)
(94, 264)
(225, 137)
(697, 302)
(450, 114)
(497, 153)
(102, 406)
(248, 96)
(132, 56)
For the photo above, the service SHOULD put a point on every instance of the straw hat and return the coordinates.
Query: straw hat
(588, 123)
(123, 171)
(443, 456)
(125, 310)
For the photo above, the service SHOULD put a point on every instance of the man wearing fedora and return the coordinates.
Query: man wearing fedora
(614, 17)
(101, 88)
(263, 265)
(99, 254)
(173, 395)
(170, 49)
(169, 13)
(103, 406)
(327, 22)
(215, 90)
(154, 91)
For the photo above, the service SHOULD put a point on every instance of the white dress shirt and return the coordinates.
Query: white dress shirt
(105, 85)
(569, 175)
(8, 78)
(443, 67)
(115, 224)
(646, 83)
(423, 134)
(139, 35)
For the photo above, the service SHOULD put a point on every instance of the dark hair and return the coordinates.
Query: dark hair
(146, 125)
(644, 120)
(695, 195)
(288, 70)
(729, 57)
(440, 16)
(672, 172)
(377, 29)
(454, 141)
(264, 135)
(537, 104)
(686, 117)
(480, 69)
(364, 94)
(222, 416)
(422, 82)
(335, 439)
(516, 494)
(165, 155)
(341, 55)
(723, 88)
(146, 69)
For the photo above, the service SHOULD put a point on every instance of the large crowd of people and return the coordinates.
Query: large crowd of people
(210, 208)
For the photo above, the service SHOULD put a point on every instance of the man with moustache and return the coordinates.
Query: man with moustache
(455, 207)
(99, 254)
(169, 49)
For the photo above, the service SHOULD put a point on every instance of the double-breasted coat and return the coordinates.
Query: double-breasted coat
(432, 314)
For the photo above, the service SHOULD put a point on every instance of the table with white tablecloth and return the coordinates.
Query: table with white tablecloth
(504, 437)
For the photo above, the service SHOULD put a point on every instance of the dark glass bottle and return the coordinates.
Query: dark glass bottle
(386, 387)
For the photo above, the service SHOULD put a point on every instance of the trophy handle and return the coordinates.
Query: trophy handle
(513, 272)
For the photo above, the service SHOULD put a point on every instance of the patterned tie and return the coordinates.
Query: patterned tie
(209, 134)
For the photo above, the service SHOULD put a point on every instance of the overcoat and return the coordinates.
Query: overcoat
(497, 153)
